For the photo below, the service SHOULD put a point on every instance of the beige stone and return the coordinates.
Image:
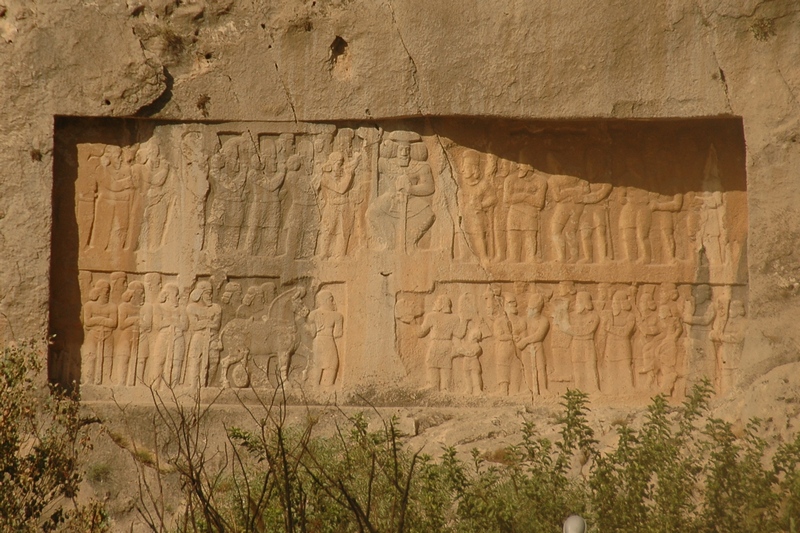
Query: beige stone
(467, 257)
(571, 83)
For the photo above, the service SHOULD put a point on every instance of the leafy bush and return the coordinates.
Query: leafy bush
(41, 438)
(682, 470)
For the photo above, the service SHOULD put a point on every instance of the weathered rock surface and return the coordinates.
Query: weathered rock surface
(309, 67)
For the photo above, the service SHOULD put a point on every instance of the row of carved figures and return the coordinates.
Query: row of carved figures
(623, 340)
(331, 194)
(144, 333)
(503, 206)
(319, 191)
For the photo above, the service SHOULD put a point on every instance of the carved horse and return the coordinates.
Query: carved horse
(250, 343)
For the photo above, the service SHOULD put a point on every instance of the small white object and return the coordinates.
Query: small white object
(574, 524)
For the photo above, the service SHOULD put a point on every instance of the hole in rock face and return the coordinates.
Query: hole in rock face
(338, 49)
(106, 102)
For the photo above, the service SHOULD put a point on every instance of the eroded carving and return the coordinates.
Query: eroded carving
(337, 213)
(587, 336)
(99, 321)
(534, 364)
(114, 189)
(402, 214)
(621, 262)
(524, 193)
(477, 197)
(327, 325)
(196, 336)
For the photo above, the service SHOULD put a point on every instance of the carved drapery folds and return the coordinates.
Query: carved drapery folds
(542, 338)
(467, 257)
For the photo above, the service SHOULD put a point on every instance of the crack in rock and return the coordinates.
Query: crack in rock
(285, 90)
(414, 70)
(283, 83)
(450, 165)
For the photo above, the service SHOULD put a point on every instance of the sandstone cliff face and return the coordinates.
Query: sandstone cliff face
(367, 62)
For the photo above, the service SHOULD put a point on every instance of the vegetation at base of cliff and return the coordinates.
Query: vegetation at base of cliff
(42, 437)
(682, 470)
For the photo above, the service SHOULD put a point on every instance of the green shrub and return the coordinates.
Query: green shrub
(41, 439)
(681, 471)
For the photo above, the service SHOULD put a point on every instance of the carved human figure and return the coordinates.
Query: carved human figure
(402, 213)
(86, 195)
(135, 209)
(345, 142)
(581, 325)
(194, 181)
(664, 209)
(154, 176)
(266, 178)
(232, 294)
(594, 227)
(470, 349)
(647, 323)
(670, 378)
(668, 297)
(254, 303)
(731, 344)
(228, 176)
(299, 314)
(524, 193)
(169, 321)
(493, 302)
(204, 318)
(469, 313)
(85, 284)
(508, 329)
(566, 192)
(531, 346)
(235, 340)
(152, 289)
(477, 199)
(602, 304)
(326, 325)
(286, 147)
(99, 322)
(561, 369)
(336, 225)
(709, 209)
(248, 322)
(698, 318)
(126, 347)
(231, 299)
(498, 170)
(323, 146)
(303, 216)
(711, 236)
(593, 223)
(635, 221)
(618, 360)
(115, 190)
(119, 283)
(442, 327)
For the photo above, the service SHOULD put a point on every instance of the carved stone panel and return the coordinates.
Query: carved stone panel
(541, 338)
(469, 257)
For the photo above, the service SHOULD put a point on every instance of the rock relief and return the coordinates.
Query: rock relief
(466, 260)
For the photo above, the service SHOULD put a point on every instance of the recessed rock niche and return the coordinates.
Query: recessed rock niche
(467, 257)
